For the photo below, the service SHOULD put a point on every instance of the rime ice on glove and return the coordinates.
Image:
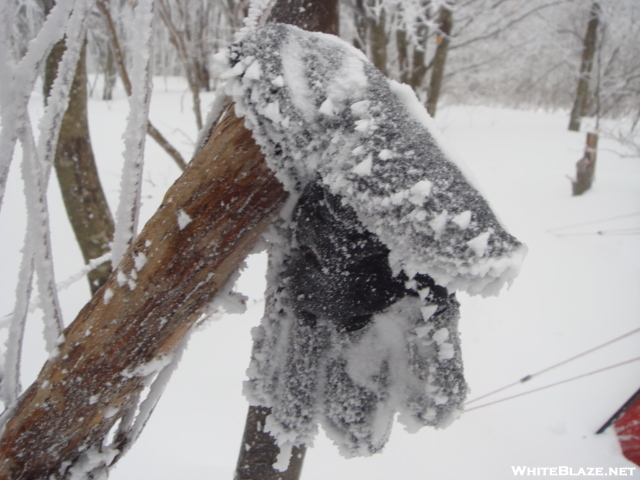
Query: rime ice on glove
(382, 225)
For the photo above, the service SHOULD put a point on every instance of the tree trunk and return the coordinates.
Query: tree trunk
(588, 52)
(110, 74)
(379, 41)
(362, 26)
(586, 167)
(75, 166)
(402, 46)
(446, 23)
(208, 222)
(419, 67)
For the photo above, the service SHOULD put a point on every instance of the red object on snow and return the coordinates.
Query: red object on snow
(628, 430)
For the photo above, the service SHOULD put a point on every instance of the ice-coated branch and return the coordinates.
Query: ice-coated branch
(134, 140)
(10, 379)
(126, 83)
(17, 80)
(58, 99)
(35, 175)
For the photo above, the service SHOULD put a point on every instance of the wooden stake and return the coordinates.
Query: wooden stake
(586, 166)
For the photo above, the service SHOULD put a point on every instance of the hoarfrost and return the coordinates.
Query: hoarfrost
(463, 219)
(135, 134)
(381, 226)
(364, 167)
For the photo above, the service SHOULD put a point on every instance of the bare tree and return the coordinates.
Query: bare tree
(195, 71)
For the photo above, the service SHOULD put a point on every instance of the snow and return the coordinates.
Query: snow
(577, 289)
(140, 260)
(183, 219)
(146, 369)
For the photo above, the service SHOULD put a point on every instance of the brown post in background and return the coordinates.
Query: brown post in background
(586, 166)
(258, 450)
(588, 52)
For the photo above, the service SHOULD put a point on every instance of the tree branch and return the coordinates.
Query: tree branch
(504, 27)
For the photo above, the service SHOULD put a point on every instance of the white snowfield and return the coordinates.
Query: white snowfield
(322, 113)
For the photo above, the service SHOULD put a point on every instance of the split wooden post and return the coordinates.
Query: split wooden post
(208, 222)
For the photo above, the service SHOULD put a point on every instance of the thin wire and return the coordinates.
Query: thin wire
(593, 222)
(620, 231)
(610, 367)
(529, 377)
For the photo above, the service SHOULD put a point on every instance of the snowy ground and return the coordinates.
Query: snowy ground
(577, 290)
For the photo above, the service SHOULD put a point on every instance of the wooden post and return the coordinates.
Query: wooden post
(586, 166)
(588, 52)
(259, 452)
(208, 222)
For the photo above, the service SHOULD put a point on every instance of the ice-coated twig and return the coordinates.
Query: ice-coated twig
(156, 389)
(10, 381)
(7, 135)
(258, 13)
(58, 99)
(68, 18)
(34, 178)
(134, 139)
(17, 80)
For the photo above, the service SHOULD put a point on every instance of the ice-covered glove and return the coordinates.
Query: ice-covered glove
(382, 225)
